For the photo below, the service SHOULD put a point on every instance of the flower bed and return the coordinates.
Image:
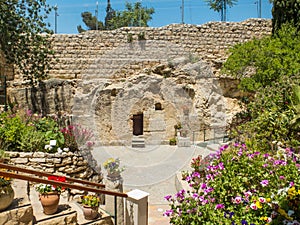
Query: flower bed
(240, 186)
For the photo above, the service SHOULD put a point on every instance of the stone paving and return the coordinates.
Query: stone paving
(152, 169)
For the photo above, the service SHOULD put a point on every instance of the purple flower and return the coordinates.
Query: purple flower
(219, 206)
(264, 183)
(188, 178)
(195, 196)
(221, 166)
(244, 222)
(180, 194)
(168, 212)
(196, 174)
(228, 213)
(209, 177)
(207, 190)
(168, 197)
(282, 177)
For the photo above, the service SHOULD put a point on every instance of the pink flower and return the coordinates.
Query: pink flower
(264, 183)
(262, 200)
(219, 206)
(253, 206)
(237, 200)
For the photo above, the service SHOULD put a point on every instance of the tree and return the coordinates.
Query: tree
(134, 15)
(220, 6)
(90, 21)
(284, 11)
(21, 42)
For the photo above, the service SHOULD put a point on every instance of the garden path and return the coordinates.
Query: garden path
(152, 169)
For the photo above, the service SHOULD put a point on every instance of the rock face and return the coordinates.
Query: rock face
(151, 102)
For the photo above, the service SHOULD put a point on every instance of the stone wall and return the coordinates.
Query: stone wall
(76, 52)
(69, 164)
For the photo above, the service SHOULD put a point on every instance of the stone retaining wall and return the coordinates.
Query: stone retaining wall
(65, 164)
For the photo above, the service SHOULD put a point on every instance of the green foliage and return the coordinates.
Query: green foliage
(172, 141)
(91, 22)
(284, 11)
(30, 140)
(20, 130)
(240, 186)
(270, 69)
(90, 200)
(21, 42)
(129, 37)
(295, 123)
(134, 15)
(258, 63)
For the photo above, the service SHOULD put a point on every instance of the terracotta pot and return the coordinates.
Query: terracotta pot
(7, 195)
(89, 212)
(50, 202)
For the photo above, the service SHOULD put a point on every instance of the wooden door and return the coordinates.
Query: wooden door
(138, 124)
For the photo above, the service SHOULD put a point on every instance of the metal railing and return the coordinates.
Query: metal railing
(210, 134)
(58, 183)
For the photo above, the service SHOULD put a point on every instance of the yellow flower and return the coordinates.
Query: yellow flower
(258, 205)
(292, 191)
(268, 200)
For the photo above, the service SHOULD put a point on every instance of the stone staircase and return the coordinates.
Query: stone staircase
(27, 209)
(138, 142)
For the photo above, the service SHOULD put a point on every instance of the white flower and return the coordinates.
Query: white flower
(48, 147)
(291, 212)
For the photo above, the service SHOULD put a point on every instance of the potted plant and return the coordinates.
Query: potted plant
(113, 168)
(173, 141)
(49, 195)
(6, 192)
(90, 204)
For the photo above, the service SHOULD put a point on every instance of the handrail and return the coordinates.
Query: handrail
(63, 184)
(58, 183)
(39, 173)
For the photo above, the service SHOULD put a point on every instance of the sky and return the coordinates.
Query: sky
(166, 12)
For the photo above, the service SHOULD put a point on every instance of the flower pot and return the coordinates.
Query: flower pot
(7, 195)
(113, 175)
(90, 212)
(50, 202)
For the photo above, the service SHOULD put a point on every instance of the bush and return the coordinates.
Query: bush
(240, 186)
(21, 130)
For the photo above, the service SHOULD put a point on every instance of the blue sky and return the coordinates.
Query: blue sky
(166, 12)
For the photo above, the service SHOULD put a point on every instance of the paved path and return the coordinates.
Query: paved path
(152, 169)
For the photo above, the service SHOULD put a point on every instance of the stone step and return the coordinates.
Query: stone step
(69, 212)
(103, 218)
(138, 142)
(20, 210)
